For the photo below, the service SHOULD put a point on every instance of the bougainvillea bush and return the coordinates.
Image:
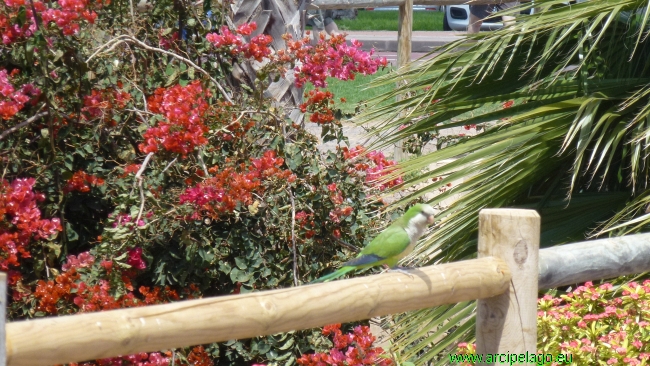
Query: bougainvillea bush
(136, 172)
(595, 325)
(348, 349)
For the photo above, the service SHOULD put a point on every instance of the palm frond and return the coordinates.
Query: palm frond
(574, 146)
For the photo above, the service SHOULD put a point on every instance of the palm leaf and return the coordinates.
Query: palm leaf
(579, 78)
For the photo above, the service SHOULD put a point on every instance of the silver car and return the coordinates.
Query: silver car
(457, 18)
(415, 8)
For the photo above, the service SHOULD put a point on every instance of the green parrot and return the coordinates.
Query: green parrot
(394, 243)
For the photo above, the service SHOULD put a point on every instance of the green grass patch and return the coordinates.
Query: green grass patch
(369, 20)
(354, 91)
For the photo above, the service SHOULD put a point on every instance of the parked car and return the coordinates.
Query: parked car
(415, 8)
(457, 18)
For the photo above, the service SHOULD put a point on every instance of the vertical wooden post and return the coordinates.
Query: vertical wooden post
(3, 318)
(405, 30)
(507, 323)
(404, 33)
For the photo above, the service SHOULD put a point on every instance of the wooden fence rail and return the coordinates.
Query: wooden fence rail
(158, 327)
(504, 278)
(565, 265)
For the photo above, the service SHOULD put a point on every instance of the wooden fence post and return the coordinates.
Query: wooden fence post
(405, 29)
(404, 35)
(3, 318)
(507, 323)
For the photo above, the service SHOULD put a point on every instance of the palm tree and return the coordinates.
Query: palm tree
(573, 145)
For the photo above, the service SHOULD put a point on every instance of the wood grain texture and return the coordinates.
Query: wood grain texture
(3, 318)
(507, 323)
(593, 260)
(404, 33)
(354, 4)
(243, 10)
(404, 36)
(153, 328)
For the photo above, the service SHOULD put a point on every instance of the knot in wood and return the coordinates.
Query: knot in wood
(520, 253)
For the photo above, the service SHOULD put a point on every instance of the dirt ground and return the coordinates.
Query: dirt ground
(357, 135)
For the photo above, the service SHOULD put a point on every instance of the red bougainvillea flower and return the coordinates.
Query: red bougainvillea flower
(247, 28)
(184, 109)
(332, 57)
(130, 169)
(12, 100)
(340, 212)
(168, 42)
(229, 187)
(83, 260)
(69, 288)
(107, 265)
(350, 349)
(199, 357)
(374, 164)
(231, 41)
(258, 47)
(235, 44)
(20, 221)
(135, 259)
(318, 104)
(67, 15)
(101, 104)
(81, 182)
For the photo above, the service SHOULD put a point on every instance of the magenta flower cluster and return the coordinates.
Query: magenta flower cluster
(595, 324)
(12, 100)
(335, 58)
(598, 323)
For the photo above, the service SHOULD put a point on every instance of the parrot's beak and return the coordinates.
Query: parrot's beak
(431, 219)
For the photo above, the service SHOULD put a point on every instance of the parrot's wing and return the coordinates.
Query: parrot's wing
(391, 242)
(363, 260)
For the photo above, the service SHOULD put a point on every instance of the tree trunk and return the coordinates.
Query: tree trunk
(275, 18)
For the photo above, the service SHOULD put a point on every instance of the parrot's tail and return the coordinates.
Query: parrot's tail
(334, 275)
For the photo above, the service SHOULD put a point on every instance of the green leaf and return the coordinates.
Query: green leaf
(290, 342)
(58, 54)
(55, 248)
(68, 162)
(71, 233)
(170, 69)
(21, 17)
(224, 267)
(171, 78)
(241, 263)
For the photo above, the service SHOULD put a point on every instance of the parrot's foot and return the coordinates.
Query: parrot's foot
(404, 270)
